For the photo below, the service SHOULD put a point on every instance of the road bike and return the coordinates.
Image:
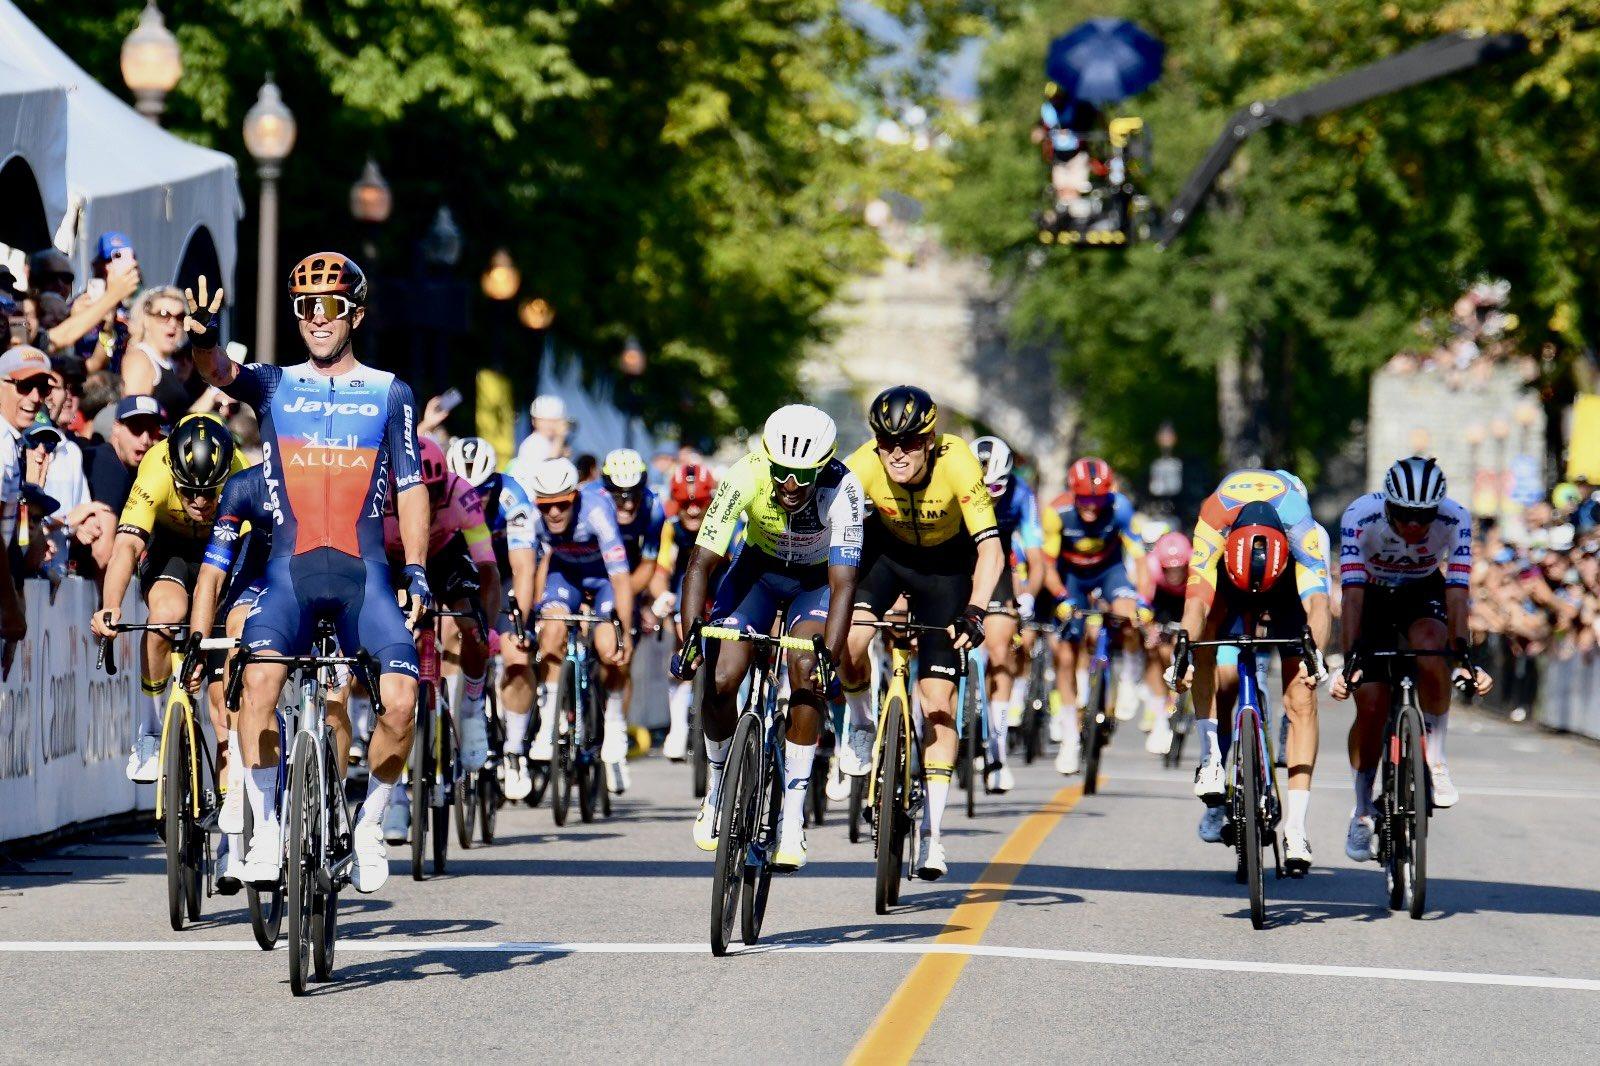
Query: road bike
(580, 725)
(1255, 808)
(897, 786)
(1036, 711)
(317, 830)
(1099, 717)
(1406, 801)
(188, 800)
(750, 805)
(972, 726)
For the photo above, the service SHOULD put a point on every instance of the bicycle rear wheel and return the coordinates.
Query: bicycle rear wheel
(764, 832)
(266, 908)
(305, 830)
(561, 759)
(421, 774)
(735, 816)
(1247, 809)
(1089, 736)
(440, 794)
(858, 800)
(466, 807)
(1418, 807)
(972, 748)
(889, 809)
(701, 769)
(817, 789)
(489, 800)
(177, 827)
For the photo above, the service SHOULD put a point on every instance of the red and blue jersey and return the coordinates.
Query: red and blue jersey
(332, 449)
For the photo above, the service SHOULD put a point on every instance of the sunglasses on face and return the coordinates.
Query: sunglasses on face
(199, 495)
(1097, 503)
(998, 488)
(1412, 516)
(627, 497)
(38, 386)
(167, 316)
(307, 308)
(553, 505)
(782, 475)
(907, 442)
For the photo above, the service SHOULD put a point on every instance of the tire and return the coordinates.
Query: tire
(1089, 737)
(304, 830)
(177, 827)
(972, 745)
(266, 908)
(421, 776)
(758, 879)
(562, 758)
(1248, 826)
(466, 807)
(589, 772)
(858, 800)
(489, 800)
(817, 791)
(325, 918)
(700, 767)
(735, 813)
(1418, 806)
(888, 812)
(440, 815)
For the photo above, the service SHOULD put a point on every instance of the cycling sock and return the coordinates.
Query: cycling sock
(999, 713)
(261, 788)
(860, 703)
(716, 761)
(452, 690)
(1436, 728)
(472, 696)
(938, 774)
(379, 793)
(1299, 800)
(360, 717)
(516, 731)
(235, 762)
(616, 720)
(235, 847)
(547, 713)
(678, 706)
(150, 724)
(1206, 730)
(1363, 782)
(797, 760)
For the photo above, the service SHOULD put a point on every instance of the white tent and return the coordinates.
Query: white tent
(33, 125)
(125, 173)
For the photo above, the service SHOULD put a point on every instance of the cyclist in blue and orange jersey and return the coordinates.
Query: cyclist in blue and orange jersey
(337, 438)
(1257, 519)
(1016, 513)
(1093, 542)
(691, 489)
(583, 562)
(508, 511)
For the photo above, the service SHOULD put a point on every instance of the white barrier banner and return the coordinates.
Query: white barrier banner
(65, 727)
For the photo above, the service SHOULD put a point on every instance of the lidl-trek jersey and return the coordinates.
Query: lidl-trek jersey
(1221, 509)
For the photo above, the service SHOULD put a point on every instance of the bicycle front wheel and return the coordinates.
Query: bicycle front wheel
(265, 907)
(1089, 736)
(1247, 829)
(889, 817)
(764, 831)
(561, 760)
(1418, 807)
(177, 822)
(701, 772)
(305, 833)
(973, 753)
(421, 779)
(736, 813)
(858, 800)
(440, 794)
(325, 918)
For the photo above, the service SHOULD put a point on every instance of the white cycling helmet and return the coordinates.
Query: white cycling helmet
(623, 469)
(800, 437)
(994, 457)
(1415, 482)
(472, 458)
(553, 479)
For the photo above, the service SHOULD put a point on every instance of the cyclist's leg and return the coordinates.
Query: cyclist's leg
(276, 625)
(805, 617)
(614, 679)
(1420, 608)
(1207, 706)
(1000, 632)
(166, 592)
(876, 592)
(937, 598)
(1123, 596)
(369, 617)
(562, 595)
(516, 686)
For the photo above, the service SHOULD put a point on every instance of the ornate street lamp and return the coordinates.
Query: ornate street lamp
(151, 63)
(370, 198)
(501, 279)
(269, 132)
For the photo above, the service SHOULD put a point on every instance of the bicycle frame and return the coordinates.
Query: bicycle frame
(898, 685)
(1250, 712)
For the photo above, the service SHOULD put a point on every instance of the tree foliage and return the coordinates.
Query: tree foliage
(687, 171)
(1325, 244)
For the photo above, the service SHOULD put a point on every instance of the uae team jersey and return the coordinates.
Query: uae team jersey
(1372, 553)
(332, 449)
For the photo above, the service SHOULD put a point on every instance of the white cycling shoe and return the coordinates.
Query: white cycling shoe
(228, 866)
(1296, 853)
(1055, 727)
(1159, 742)
(372, 858)
(705, 826)
(1000, 780)
(144, 761)
(1210, 784)
(1128, 702)
(838, 783)
(791, 854)
(1069, 760)
(516, 782)
(1359, 843)
(473, 733)
(1211, 823)
(542, 749)
(230, 819)
(263, 863)
(931, 864)
(675, 746)
(1444, 789)
(617, 778)
(855, 757)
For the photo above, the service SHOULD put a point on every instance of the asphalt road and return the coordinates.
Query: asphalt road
(1069, 929)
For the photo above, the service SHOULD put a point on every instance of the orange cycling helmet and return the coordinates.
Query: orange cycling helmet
(329, 274)
(1256, 553)
(1091, 480)
(693, 483)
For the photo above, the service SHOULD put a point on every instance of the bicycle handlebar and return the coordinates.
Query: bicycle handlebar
(1467, 686)
(106, 659)
(785, 642)
(364, 663)
(904, 629)
(1183, 648)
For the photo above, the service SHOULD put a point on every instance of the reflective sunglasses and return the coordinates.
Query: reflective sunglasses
(906, 442)
(1099, 503)
(168, 316)
(802, 478)
(1412, 516)
(554, 505)
(332, 306)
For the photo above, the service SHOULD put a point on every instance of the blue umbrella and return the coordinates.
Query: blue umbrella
(1104, 60)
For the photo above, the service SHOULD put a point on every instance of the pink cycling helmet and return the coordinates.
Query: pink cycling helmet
(1171, 550)
(432, 461)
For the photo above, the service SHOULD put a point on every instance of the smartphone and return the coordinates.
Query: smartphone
(450, 399)
(122, 260)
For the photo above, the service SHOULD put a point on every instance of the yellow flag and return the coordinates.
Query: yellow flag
(1583, 453)
(494, 415)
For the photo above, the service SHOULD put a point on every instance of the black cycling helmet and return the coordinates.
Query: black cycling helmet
(200, 452)
(902, 411)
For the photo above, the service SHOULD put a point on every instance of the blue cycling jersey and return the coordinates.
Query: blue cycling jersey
(1092, 546)
(591, 543)
(509, 514)
(330, 447)
(642, 536)
(1016, 512)
(243, 502)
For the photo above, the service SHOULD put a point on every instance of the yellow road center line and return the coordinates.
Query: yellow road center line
(900, 1028)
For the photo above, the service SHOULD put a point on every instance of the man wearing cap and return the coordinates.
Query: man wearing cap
(548, 439)
(24, 385)
(49, 270)
(111, 464)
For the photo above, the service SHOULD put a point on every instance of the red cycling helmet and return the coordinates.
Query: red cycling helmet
(1256, 552)
(1091, 481)
(693, 483)
(431, 459)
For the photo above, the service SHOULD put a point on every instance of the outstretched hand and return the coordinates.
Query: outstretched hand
(203, 315)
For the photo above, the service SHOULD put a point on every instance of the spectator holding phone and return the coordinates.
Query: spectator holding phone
(116, 273)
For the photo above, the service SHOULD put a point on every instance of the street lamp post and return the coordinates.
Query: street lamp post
(370, 204)
(632, 363)
(269, 135)
(151, 63)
